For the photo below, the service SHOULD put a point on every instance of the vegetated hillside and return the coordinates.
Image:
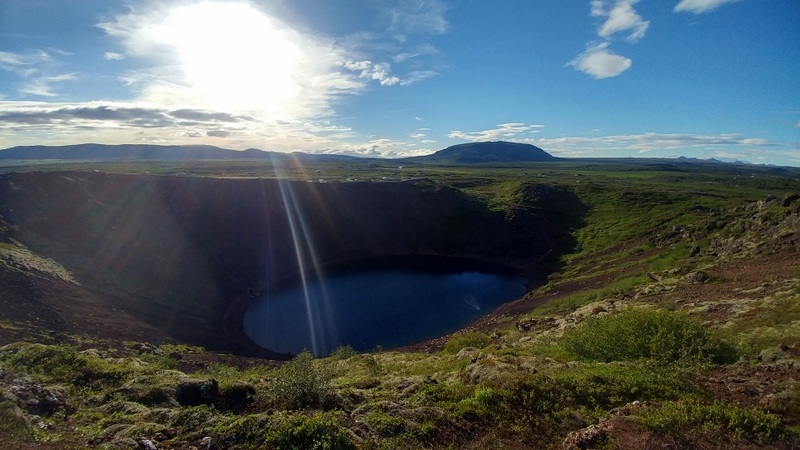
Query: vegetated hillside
(670, 322)
(488, 152)
(178, 254)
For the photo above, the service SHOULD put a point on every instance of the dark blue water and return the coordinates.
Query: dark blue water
(375, 306)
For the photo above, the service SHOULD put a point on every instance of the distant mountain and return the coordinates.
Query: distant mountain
(488, 152)
(135, 152)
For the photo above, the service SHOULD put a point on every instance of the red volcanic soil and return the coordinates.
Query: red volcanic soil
(152, 258)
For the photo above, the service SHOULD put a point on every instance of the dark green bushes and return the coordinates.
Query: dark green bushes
(640, 333)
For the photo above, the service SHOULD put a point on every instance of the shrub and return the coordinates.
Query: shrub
(472, 339)
(319, 431)
(315, 432)
(343, 352)
(636, 333)
(716, 419)
(300, 383)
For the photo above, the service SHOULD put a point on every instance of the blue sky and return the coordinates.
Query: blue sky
(578, 78)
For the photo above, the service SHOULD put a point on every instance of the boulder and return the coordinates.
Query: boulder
(36, 399)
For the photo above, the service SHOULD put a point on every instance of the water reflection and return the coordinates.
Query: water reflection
(375, 306)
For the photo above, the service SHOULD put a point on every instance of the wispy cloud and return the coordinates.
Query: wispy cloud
(35, 70)
(43, 86)
(700, 6)
(112, 56)
(599, 62)
(23, 64)
(503, 131)
(409, 18)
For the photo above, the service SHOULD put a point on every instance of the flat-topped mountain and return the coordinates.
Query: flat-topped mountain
(486, 152)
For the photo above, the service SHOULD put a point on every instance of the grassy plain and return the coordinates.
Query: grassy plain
(704, 256)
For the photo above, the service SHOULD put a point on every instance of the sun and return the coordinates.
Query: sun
(233, 56)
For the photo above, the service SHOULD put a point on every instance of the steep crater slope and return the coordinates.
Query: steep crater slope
(168, 257)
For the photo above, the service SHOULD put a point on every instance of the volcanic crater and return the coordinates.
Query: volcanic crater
(163, 258)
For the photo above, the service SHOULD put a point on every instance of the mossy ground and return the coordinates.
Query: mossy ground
(703, 260)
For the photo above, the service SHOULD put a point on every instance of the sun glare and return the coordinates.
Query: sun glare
(233, 56)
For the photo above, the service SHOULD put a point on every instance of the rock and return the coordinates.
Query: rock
(205, 442)
(198, 392)
(36, 399)
(597, 434)
(585, 438)
(467, 352)
(789, 198)
(147, 444)
(236, 397)
(697, 277)
(121, 444)
(545, 323)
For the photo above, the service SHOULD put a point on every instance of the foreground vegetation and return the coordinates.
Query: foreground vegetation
(669, 317)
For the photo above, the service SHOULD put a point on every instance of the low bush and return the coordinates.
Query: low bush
(343, 352)
(315, 432)
(472, 339)
(318, 431)
(300, 383)
(716, 420)
(643, 333)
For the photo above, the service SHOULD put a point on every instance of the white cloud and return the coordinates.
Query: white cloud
(620, 18)
(111, 56)
(230, 57)
(700, 6)
(416, 135)
(381, 72)
(503, 131)
(600, 62)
